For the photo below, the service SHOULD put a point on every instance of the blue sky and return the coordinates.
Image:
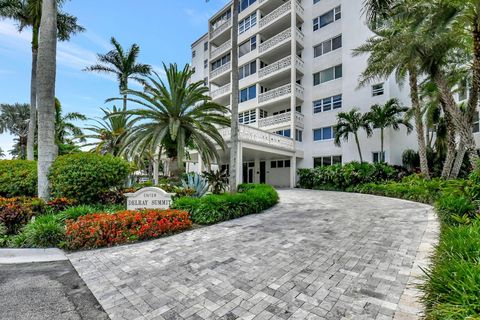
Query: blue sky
(164, 29)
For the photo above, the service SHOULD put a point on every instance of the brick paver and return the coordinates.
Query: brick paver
(317, 255)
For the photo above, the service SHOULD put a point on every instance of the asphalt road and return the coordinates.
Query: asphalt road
(46, 291)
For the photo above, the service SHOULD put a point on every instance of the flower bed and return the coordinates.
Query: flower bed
(103, 230)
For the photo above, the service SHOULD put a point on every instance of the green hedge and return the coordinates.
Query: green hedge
(18, 178)
(85, 176)
(342, 177)
(251, 198)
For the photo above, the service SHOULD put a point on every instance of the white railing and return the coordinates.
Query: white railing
(275, 93)
(299, 8)
(299, 119)
(276, 66)
(299, 90)
(254, 135)
(275, 14)
(220, 91)
(273, 41)
(282, 120)
(220, 49)
(227, 24)
(215, 73)
(299, 63)
(300, 35)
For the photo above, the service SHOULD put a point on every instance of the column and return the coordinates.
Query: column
(200, 164)
(256, 175)
(239, 170)
(293, 172)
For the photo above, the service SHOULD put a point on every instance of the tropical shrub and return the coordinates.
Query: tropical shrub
(101, 229)
(18, 178)
(196, 182)
(60, 204)
(84, 176)
(16, 212)
(218, 180)
(341, 177)
(210, 209)
(44, 232)
(452, 208)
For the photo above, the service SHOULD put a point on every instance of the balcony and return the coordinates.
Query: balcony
(279, 66)
(275, 41)
(257, 136)
(275, 14)
(219, 71)
(221, 29)
(221, 49)
(281, 120)
(221, 91)
(281, 93)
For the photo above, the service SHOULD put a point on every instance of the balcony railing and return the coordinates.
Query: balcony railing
(280, 92)
(226, 25)
(281, 120)
(220, 91)
(299, 8)
(275, 40)
(275, 14)
(222, 48)
(257, 136)
(279, 65)
(300, 35)
(215, 73)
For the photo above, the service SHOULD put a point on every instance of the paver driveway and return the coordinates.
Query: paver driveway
(317, 255)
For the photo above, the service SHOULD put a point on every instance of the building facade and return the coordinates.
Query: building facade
(296, 73)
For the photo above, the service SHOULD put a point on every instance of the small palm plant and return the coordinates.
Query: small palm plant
(218, 180)
(351, 123)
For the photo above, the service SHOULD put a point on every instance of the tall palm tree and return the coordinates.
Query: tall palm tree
(2, 153)
(389, 115)
(122, 64)
(66, 131)
(14, 119)
(176, 116)
(28, 14)
(351, 123)
(109, 131)
(46, 74)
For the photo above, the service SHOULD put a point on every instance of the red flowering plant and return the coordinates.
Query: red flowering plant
(60, 204)
(16, 212)
(103, 230)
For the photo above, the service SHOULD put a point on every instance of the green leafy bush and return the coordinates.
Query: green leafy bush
(450, 207)
(251, 198)
(18, 178)
(342, 177)
(85, 176)
(46, 231)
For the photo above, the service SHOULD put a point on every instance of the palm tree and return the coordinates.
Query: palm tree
(28, 14)
(350, 123)
(2, 153)
(109, 131)
(176, 116)
(389, 115)
(14, 119)
(378, 9)
(46, 73)
(65, 131)
(123, 64)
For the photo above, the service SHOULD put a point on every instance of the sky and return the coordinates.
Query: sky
(164, 30)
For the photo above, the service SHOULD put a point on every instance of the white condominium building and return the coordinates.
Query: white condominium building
(296, 73)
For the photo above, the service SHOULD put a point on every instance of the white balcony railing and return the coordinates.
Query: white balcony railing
(219, 30)
(281, 120)
(257, 136)
(275, 14)
(220, 49)
(280, 65)
(299, 8)
(275, 40)
(300, 35)
(299, 91)
(275, 93)
(221, 91)
(215, 73)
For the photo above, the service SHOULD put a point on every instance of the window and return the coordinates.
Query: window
(194, 53)
(316, 1)
(247, 46)
(205, 64)
(285, 132)
(327, 161)
(205, 82)
(244, 4)
(327, 104)
(247, 117)
(247, 70)
(220, 62)
(263, 114)
(376, 157)
(221, 20)
(280, 164)
(327, 75)
(476, 123)
(248, 93)
(281, 111)
(298, 135)
(377, 90)
(205, 46)
(327, 46)
(327, 18)
(323, 134)
(247, 23)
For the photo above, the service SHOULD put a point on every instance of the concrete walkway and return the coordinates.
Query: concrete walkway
(317, 255)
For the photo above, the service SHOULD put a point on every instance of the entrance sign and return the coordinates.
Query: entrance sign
(149, 198)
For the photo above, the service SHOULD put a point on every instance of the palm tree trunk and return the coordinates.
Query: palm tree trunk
(124, 102)
(382, 157)
(422, 150)
(32, 125)
(358, 147)
(234, 103)
(458, 161)
(451, 145)
(46, 73)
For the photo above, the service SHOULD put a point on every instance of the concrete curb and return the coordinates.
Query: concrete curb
(410, 306)
(15, 256)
